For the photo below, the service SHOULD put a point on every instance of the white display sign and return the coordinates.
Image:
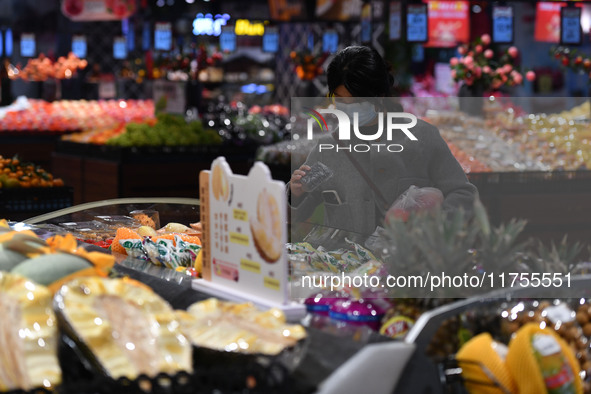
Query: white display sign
(174, 92)
(245, 230)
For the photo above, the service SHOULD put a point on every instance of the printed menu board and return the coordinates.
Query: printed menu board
(245, 231)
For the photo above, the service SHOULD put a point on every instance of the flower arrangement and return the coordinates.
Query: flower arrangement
(570, 58)
(480, 65)
(307, 65)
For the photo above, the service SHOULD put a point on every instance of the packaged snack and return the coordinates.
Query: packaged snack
(358, 313)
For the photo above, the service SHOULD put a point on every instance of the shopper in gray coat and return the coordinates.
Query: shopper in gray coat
(354, 196)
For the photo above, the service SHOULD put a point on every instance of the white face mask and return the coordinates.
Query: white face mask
(365, 110)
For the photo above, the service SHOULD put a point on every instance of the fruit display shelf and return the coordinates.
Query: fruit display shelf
(23, 203)
(103, 172)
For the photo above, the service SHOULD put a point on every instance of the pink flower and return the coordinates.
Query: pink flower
(485, 39)
(513, 52)
(461, 50)
(508, 68)
(489, 54)
(504, 78)
(518, 78)
(496, 84)
(530, 76)
(486, 69)
(478, 72)
(478, 48)
(453, 61)
(453, 74)
(468, 60)
(471, 53)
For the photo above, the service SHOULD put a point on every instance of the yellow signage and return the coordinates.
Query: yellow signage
(240, 239)
(241, 214)
(244, 27)
(272, 283)
(250, 265)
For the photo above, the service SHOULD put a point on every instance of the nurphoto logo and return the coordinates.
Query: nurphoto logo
(388, 122)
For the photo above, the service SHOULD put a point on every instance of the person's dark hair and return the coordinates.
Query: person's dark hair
(362, 71)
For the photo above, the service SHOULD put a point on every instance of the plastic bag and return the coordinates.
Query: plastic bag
(414, 199)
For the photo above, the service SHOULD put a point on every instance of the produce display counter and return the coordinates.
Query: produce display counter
(35, 146)
(326, 363)
(336, 358)
(104, 172)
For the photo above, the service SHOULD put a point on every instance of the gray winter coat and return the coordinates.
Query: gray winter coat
(426, 162)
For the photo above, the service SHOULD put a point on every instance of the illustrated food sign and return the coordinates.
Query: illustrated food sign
(98, 10)
(245, 222)
(548, 21)
(449, 23)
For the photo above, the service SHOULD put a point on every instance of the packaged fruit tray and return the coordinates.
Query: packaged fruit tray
(35, 199)
(445, 359)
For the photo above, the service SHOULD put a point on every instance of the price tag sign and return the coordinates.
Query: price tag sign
(244, 220)
(502, 31)
(570, 26)
(120, 48)
(174, 93)
(330, 41)
(271, 40)
(366, 23)
(79, 46)
(107, 90)
(228, 39)
(417, 25)
(395, 21)
(162, 36)
(28, 46)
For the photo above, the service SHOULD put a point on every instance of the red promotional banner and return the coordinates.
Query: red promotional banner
(98, 10)
(449, 23)
(548, 21)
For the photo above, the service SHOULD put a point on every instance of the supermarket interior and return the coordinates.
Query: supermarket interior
(210, 172)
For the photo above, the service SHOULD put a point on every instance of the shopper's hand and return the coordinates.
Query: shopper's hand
(295, 183)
